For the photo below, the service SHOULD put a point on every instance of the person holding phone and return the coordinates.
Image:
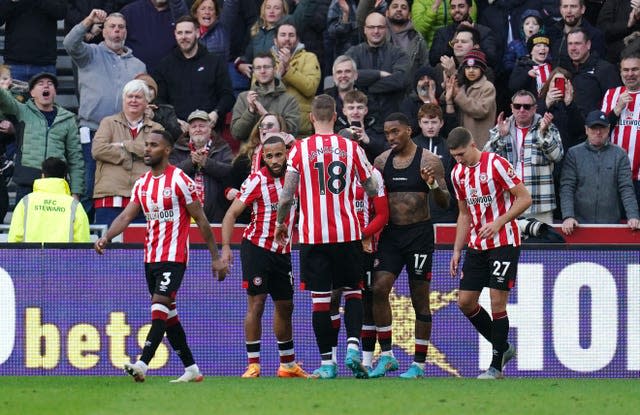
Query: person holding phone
(355, 121)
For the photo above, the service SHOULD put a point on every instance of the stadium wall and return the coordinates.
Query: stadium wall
(67, 311)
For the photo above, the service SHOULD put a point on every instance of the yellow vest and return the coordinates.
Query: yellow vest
(49, 214)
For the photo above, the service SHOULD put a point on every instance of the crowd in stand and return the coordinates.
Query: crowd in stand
(551, 85)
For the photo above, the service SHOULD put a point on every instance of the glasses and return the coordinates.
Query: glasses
(266, 126)
(526, 107)
(371, 27)
(265, 67)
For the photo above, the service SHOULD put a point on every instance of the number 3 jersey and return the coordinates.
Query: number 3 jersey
(164, 201)
(485, 189)
(329, 166)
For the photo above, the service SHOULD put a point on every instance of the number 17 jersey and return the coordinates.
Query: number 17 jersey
(329, 167)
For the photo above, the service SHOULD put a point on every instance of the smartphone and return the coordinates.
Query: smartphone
(356, 124)
(559, 83)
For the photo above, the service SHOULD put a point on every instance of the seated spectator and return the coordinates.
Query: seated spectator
(532, 144)
(49, 213)
(150, 31)
(298, 70)
(30, 29)
(475, 98)
(267, 95)
(208, 161)
(531, 71)
(596, 180)
(191, 77)
(213, 34)
(163, 114)
(354, 117)
(118, 148)
(48, 131)
(430, 137)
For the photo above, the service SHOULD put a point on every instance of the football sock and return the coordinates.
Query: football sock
(499, 334)
(353, 313)
(321, 320)
(335, 324)
(481, 321)
(287, 355)
(384, 338)
(420, 351)
(368, 335)
(253, 351)
(159, 313)
(177, 337)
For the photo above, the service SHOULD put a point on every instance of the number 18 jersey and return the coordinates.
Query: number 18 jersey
(329, 167)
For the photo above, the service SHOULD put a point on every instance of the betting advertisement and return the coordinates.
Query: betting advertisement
(573, 313)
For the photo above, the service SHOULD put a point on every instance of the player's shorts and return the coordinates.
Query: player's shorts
(494, 268)
(164, 278)
(324, 267)
(367, 268)
(266, 272)
(406, 245)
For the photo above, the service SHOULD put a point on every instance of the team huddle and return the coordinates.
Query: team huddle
(358, 226)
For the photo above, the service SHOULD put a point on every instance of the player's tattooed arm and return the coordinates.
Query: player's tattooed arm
(371, 186)
(291, 180)
(432, 172)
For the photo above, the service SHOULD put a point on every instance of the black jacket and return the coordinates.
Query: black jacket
(201, 82)
(488, 44)
(30, 31)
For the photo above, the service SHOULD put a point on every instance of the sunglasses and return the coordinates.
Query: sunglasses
(527, 107)
(266, 126)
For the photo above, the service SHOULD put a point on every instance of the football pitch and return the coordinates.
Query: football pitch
(26, 395)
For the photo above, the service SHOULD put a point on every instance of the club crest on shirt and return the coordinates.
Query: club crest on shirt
(511, 173)
(483, 177)
(257, 281)
(191, 187)
(166, 192)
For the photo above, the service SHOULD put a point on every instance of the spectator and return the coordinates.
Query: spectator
(424, 90)
(532, 24)
(596, 180)
(532, 70)
(360, 127)
(532, 144)
(163, 114)
(572, 12)
(118, 148)
(208, 162)
(431, 15)
(49, 213)
(298, 70)
(103, 70)
(342, 29)
(431, 121)
(267, 95)
(459, 11)
(617, 19)
(474, 97)
(30, 32)
(48, 130)
(191, 77)
(591, 75)
(622, 106)
(79, 9)
(213, 34)
(151, 26)
(382, 67)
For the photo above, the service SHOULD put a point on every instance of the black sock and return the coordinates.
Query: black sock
(156, 333)
(353, 313)
(499, 334)
(178, 340)
(481, 321)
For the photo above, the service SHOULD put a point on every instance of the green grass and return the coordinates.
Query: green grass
(225, 395)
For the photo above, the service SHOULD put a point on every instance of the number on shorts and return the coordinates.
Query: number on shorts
(167, 278)
(368, 274)
(336, 171)
(419, 260)
(500, 268)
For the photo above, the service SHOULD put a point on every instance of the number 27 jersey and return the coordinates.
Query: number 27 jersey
(329, 166)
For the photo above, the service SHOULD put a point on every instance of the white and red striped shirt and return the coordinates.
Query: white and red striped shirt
(164, 201)
(261, 191)
(485, 189)
(329, 166)
(626, 133)
(542, 74)
(364, 203)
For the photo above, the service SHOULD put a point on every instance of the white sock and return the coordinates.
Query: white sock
(334, 354)
(367, 358)
(193, 368)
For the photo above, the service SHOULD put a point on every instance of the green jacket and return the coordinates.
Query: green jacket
(426, 21)
(36, 141)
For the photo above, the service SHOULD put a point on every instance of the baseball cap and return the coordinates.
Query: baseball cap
(34, 80)
(198, 115)
(596, 117)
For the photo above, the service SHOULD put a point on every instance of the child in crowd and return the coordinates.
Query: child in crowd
(475, 100)
(532, 71)
(532, 24)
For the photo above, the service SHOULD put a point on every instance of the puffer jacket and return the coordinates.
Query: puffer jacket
(118, 156)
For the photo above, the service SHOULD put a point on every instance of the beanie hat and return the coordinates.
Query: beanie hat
(532, 13)
(537, 39)
(475, 57)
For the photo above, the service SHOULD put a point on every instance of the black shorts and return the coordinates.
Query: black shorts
(266, 272)
(164, 278)
(324, 267)
(367, 268)
(494, 268)
(406, 245)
